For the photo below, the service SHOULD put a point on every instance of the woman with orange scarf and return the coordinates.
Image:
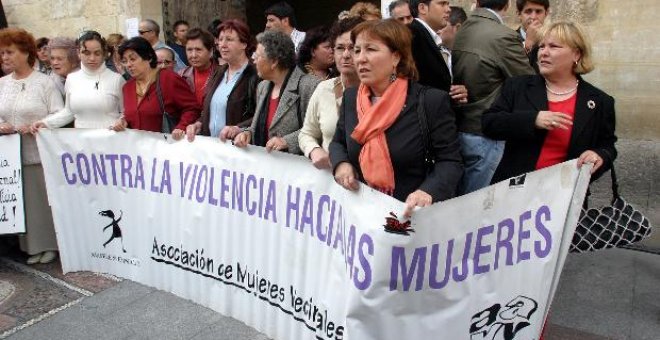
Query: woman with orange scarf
(380, 138)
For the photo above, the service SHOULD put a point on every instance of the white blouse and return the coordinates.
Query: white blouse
(93, 98)
(321, 117)
(25, 101)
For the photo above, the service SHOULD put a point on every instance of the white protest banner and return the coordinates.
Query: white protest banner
(273, 242)
(12, 216)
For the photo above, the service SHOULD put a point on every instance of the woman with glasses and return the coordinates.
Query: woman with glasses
(144, 106)
(282, 96)
(323, 110)
(230, 93)
(93, 94)
(165, 58)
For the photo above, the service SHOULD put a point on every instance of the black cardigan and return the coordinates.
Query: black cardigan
(404, 139)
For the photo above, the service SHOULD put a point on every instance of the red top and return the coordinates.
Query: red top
(201, 79)
(555, 146)
(272, 108)
(178, 99)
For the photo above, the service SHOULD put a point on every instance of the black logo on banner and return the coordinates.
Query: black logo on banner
(116, 230)
(518, 181)
(393, 225)
(503, 322)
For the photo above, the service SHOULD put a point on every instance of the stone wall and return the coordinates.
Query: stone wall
(68, 17)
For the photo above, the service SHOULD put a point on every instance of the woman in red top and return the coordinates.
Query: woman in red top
(142, 108)
(549, 118)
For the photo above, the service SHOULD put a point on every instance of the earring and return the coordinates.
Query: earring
(392, 77)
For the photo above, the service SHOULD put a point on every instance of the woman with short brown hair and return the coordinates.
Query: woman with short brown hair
(27, 96)
(383, 137)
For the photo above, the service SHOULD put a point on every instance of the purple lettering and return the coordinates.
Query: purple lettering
(504, 243)
(85, 176)
(543, 215)
(458, 277)
(270, 202)
(67, 158)
(126, 164)
(212, 200)
(307, 213)
(98, 165)
(481, 249)
(224, 188)
(433, 272)
(202, 184)
(237, 197)
(417, 268)
(523, 235)
(292, 204)
(250, 206)
(112, 159)
(139, 174)
(323, 200)
(365, 240)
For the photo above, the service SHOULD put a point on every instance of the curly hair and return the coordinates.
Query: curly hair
(364, 10)
(69, 45)
(22, 39)
(278, 47)
(142, 47)
(313, 38)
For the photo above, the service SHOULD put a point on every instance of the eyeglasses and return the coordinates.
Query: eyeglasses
(340, 49)
(165, 62)
(143, 32)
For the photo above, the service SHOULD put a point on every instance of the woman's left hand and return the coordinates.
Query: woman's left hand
(178, 134)
(418, 198)
(276, 143)
(590, 156)
(36, 126)
(24, 130)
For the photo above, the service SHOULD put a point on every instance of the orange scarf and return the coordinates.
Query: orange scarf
(373, 120)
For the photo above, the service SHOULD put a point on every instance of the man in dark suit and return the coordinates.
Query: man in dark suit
(532, 14)
(432, 63)
(485, 54)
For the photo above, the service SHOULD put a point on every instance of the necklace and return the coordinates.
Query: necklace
(562, 93)
(141, 91)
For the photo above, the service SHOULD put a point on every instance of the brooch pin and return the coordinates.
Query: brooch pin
(591, 104)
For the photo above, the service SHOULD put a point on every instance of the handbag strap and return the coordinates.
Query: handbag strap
(159, 93)
(615, 183)
(423, 124)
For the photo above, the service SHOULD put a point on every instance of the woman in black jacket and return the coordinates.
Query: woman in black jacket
(549, 118)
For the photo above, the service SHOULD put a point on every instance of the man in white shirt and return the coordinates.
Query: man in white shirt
(281, 17)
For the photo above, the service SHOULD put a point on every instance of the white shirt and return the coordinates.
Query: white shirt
(93, 98)
(25, 101)
(297, 37)
(436, 38)
(321, 117)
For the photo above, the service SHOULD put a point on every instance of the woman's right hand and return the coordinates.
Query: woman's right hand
(6, 128)
(550, 120)
(320, 158)
(192, 130)
(229, 132)
(346, 176)
(243, 139)
(119, 125)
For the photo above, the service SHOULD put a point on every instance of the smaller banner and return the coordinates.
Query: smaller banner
(12, 216)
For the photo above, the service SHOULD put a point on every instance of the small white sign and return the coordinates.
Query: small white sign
(132, 25)
(12, 215)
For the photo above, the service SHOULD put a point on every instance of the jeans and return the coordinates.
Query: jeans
(481, 156)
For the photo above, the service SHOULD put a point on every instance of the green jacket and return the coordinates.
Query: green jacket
(485, 54)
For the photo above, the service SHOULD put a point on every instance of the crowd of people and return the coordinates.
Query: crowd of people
(427, 105)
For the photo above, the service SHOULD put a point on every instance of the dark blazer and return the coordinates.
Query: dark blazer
(533, 54)
(241, 102)
(512, 118)
(404, 139)
(433, 70)
(290, 113)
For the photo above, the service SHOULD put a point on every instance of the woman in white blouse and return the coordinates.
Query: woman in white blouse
(93, 93)
(27, 96)
(322, 112)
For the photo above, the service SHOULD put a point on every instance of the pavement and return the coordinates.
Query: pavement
(609, 294)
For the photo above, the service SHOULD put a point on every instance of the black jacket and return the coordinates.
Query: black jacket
(512, 118)
(433, 70)
(404, 140)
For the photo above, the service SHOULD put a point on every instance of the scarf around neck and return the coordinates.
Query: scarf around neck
(373, 121)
